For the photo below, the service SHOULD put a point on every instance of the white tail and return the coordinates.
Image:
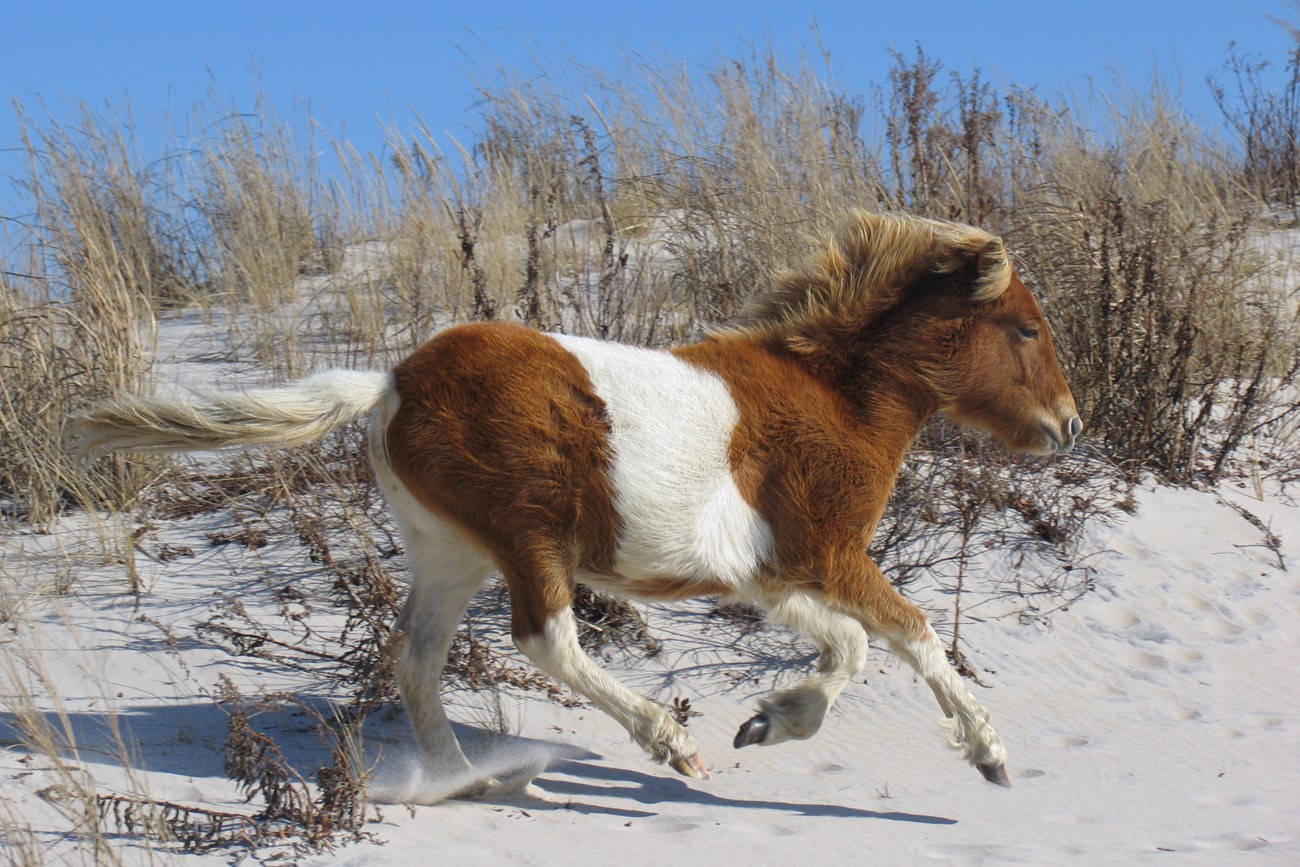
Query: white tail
(287, 415)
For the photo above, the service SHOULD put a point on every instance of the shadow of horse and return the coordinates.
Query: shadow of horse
(187, 738)
(603, 781)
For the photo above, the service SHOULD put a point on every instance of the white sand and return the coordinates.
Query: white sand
(1152, 721)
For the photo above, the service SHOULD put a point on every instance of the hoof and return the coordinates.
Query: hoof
(475, 791)
(691, 767)
(752, 732)
(996, 774)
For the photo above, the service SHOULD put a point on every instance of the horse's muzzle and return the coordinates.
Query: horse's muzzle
(1061, 439)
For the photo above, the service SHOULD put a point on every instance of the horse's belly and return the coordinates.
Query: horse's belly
(713, 537)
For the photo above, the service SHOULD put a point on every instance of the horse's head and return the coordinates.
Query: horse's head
(937, 308)
(1003, 375)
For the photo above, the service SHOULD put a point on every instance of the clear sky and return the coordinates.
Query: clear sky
(361, 65)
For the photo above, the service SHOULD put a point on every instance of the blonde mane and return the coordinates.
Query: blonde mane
(867, 267)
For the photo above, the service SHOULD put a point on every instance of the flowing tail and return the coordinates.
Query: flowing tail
(287, 415)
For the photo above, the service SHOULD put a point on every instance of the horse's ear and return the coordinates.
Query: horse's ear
(981, 260)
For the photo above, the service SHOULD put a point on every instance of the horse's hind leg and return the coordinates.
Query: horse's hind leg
(446, 572)
(543, 629)
(796, 713)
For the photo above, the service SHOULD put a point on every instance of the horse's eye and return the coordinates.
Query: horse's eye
(1029, 333)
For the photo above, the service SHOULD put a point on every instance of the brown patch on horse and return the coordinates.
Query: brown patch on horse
(499, 430)
(817, 472)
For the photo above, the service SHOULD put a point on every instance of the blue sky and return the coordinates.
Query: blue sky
(360, 65)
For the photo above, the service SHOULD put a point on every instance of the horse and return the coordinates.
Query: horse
(754, 464)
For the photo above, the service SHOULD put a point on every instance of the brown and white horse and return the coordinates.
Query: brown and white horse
(754, 465)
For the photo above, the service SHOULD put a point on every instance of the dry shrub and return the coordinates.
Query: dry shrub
(109, 225)
(294, 817)
(1173, 331)
(262, 219)
(57, 357)
(742, 164)
(290, 809)
(657, 204)
(254, 198)
(1266, 123)
(101, 255)
(943, 144)
(605, 620)
(116, 239)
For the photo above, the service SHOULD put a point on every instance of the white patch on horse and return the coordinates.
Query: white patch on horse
(683, 516)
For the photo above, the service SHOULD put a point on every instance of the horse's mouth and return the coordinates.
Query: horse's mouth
(1060, 440)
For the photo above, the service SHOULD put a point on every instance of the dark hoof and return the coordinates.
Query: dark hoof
(752, 732)
(996, 774)
(691, 767)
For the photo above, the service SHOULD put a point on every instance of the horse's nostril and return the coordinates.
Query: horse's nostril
(1076, 427)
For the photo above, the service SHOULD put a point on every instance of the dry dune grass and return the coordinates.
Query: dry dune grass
(650, 209)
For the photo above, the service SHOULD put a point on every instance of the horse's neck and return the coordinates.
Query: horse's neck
(872, 396)
(870, 406)
(884, 393)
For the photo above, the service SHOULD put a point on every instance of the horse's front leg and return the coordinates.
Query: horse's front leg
(861, 591)
(796, 713)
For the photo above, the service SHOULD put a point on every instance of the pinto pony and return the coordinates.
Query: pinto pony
(754, 465)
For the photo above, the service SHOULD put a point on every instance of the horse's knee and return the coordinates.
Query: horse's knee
(844, 651)
(547, 648)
